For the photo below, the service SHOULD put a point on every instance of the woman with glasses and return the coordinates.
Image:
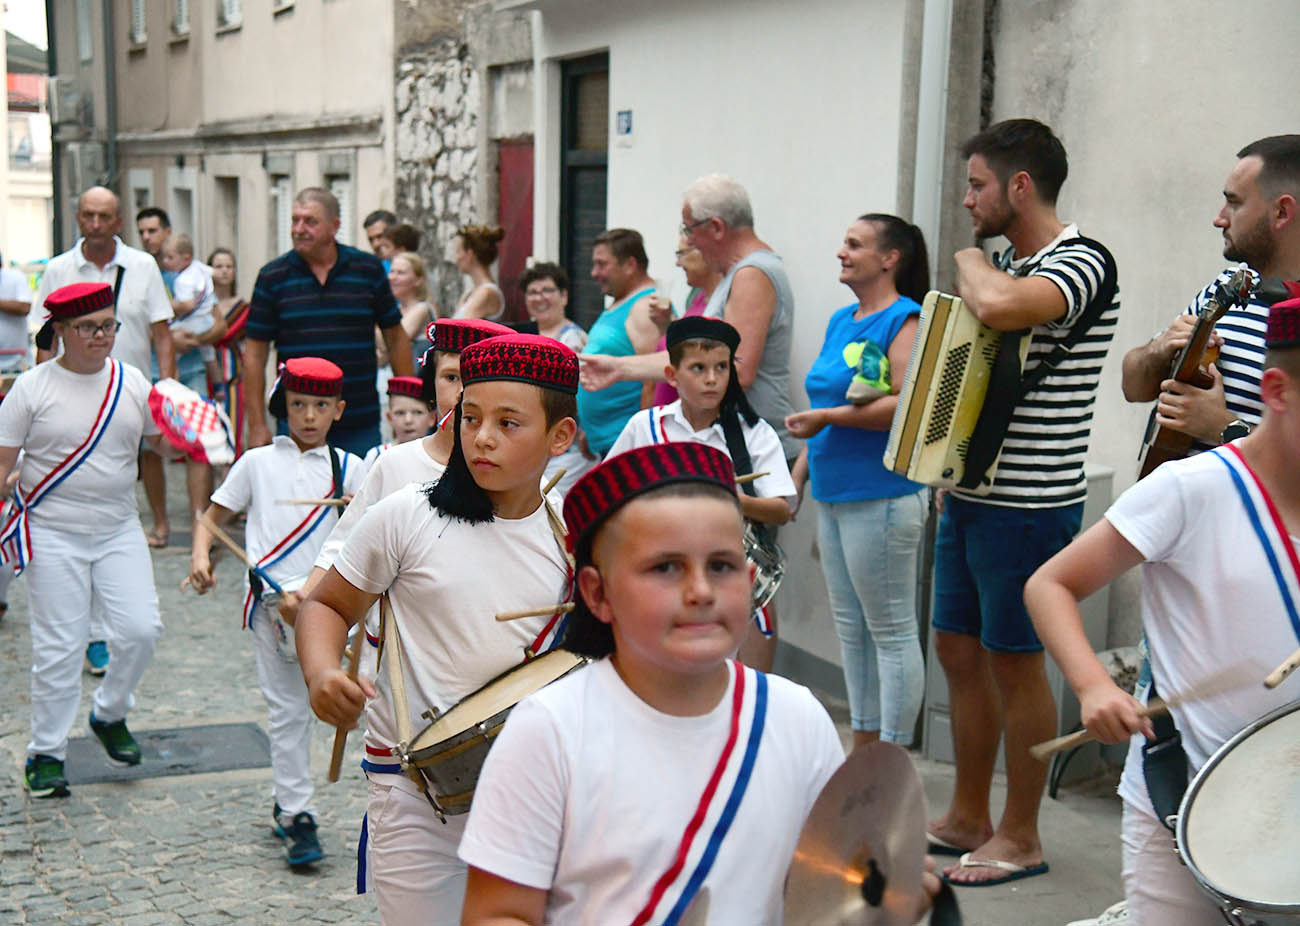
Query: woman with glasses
(546, 296)
(703, 280)
(869, 520)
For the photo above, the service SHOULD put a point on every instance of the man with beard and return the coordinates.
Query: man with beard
(1260, 228)
(1059, 289)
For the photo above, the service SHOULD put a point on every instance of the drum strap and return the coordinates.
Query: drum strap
(400, 707)
(1164, 767)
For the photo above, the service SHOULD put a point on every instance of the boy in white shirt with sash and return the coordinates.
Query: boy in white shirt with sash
(618, 793)
(450, 556)
(79, 420)
(1214, 534)
(282, 540)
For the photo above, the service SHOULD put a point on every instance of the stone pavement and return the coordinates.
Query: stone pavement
(198, 849)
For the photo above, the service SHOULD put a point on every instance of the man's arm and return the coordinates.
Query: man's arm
(1147, 366)
(600, 371)
(494, 901)
(399, 350)
(1052, 595)
(1004, 302)
(641, 328)
(161, 336)
(8, 457)
(751, 303)
(254, 376)
(15, 306)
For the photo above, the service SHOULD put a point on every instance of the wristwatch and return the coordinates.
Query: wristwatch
(1234, 430)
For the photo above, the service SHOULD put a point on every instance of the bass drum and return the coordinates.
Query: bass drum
(1239, 823)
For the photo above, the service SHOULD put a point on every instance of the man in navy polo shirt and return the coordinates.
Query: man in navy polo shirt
(324, 299)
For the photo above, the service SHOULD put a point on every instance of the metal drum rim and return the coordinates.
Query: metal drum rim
(1180, 829)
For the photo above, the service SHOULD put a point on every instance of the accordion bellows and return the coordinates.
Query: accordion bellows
(943, 394)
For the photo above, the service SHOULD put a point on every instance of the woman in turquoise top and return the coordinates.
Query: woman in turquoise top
(869, 519)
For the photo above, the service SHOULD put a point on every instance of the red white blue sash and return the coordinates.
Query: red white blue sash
(1279, 550)
(292, 540)
(15, 533)
(717, 807)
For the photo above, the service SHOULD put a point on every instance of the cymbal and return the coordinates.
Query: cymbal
(860, 856)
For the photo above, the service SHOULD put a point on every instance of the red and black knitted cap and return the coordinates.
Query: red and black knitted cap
(453, 335)
(612, 484)
(523, 358)
(409, 386)
(308, 375)
(78, 299)
(1284, 324)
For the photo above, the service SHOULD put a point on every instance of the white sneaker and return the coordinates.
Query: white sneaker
(1114, 915)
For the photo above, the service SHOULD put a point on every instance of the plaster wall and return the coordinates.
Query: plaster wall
(1152, 101)
(800, 103)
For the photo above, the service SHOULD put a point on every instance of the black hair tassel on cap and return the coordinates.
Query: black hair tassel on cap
(456, 493)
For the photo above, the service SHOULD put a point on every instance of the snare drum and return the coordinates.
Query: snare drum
(1239, 821)
(769, 563)
(450, 752)
(270, 601)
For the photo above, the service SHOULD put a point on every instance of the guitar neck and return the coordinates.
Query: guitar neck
(1186, 367)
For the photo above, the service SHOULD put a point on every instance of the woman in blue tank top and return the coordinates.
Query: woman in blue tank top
(870, 520)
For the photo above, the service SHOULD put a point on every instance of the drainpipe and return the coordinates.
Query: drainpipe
(931, 121)
(56, 149)
(110, 93)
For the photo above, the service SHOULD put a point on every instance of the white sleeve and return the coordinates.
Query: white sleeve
(16, 412)
(372, 554)
(516, 824)
(236, 491)
(363, 496)
(634, 434)
(766, 455)
(354, 473)
(186, 286)
(1150, 514)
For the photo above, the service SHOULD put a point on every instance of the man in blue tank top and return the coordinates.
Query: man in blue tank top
(618, 264)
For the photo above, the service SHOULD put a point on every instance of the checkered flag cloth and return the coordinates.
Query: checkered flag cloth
(195, 426)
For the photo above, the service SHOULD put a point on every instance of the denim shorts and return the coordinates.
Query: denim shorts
(983, 556)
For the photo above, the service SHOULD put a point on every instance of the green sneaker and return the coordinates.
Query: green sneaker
(45, 777)
(118, 742)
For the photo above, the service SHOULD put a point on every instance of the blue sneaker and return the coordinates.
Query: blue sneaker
(97, 658)
(301, 847)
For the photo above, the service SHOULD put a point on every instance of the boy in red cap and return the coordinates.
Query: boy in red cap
(283, 539)
(615, 794)
(441, 552)
(415, 461)
(1215, 536)
(408, 415)
(79, 422)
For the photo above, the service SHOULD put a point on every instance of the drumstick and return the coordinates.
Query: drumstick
(333, 502)
(551, 483)
(1276, 677)
(536, 612)
(750, 477)
(1044, 750)
(237, 550)
(1234, 676)
(341, 734)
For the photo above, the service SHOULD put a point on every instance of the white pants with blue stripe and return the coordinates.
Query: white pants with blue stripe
(410, 861)
(67, 573)
(289, 719)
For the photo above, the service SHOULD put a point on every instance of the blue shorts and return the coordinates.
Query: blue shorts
(983, 556)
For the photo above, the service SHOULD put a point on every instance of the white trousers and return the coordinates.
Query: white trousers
(67, 572)
(289, 719)
(411, 860)
(6, 579)
(1158, 887)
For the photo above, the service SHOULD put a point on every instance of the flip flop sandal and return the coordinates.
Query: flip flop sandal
(1011, 871)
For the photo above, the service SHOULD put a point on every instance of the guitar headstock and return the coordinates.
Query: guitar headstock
(1234, 291)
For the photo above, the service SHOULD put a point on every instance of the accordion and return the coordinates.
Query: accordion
(943, 394)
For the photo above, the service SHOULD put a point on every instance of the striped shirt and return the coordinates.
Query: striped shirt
(1241, 358)
(1042, 456)
(335, 321)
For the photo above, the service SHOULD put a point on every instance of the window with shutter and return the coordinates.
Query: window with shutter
(282, 214)
(229, 13)
(138, 31)
(181, 18)
(341, 187)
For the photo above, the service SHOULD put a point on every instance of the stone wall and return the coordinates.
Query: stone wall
(437, 150)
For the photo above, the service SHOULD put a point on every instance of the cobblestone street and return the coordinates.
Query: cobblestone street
(192, 849)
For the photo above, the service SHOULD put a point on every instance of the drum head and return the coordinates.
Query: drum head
(498, 695)
(1238, 826)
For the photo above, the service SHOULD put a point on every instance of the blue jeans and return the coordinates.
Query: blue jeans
(868, 553)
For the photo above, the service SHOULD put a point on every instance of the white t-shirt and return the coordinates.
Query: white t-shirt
(374, 452)
(588, 791)
(447, 580)
(1209, 601)
(286, 537)
(13, 328)
(195, 282)
(141, 302)
(49, 413)
(668, 423)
